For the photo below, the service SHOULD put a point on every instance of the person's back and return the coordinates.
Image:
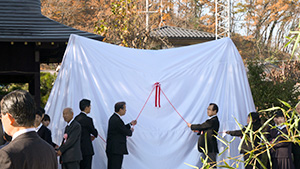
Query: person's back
(87, 130)
(28, 148)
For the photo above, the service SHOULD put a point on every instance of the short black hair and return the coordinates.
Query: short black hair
(279, 113)
(84, 103)
(40, 111)
(21, 106)
(215, 107)
(119, 105)
(255, 116)
(46, 118)
(256, 122)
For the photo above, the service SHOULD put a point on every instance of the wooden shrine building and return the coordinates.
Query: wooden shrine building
(27, 38)
(181, 36)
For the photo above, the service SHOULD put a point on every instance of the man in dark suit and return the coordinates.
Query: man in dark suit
(209, 128)
(42, 130)
(116, 137)
(69, 150)
(87, 128)
(26, 150)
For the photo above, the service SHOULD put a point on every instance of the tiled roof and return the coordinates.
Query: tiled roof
(180, 33)
(21, 20)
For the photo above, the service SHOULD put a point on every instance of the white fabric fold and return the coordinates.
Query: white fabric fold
(191, 77)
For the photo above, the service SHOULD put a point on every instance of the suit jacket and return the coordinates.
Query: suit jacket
(281, 150)
(116, 136)
(211, 127)
(246, 144)
(45, 134)
(70, 147)
(87, 128)
(28, 151)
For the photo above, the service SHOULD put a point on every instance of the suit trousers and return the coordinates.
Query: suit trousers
(114, 161)
(71, 165)
(86, 162)
(212, 157)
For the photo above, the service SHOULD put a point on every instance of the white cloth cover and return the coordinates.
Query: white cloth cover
(191, 77)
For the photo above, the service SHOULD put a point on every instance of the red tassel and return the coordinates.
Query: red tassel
(157, 94)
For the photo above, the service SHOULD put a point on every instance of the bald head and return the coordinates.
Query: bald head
(68, 114)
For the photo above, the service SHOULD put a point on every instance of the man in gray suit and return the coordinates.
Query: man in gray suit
(70, 150)
(26, 150)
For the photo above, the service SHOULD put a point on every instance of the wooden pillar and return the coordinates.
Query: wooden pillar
(36, 79)
(37, 90)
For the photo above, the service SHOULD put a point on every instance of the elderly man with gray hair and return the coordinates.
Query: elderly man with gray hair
(69, 150)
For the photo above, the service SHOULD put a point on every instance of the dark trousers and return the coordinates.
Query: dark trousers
(114, 161)
(212, 157)
(257, 165)
(297, 160)
(86, 162)
(70, 165)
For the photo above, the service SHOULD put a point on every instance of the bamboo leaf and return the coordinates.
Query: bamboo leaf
(270, 109)
(291, 40)
(191, 165)
(285, 103)
(262, 165)
(295, 45)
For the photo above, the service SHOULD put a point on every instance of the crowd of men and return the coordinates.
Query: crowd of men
(26, 141)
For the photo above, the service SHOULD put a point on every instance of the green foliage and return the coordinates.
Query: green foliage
(124, 25)
(270, 84)
(47, 82)
(9, 87)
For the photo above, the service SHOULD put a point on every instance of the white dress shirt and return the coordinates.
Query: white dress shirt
(22, 132)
